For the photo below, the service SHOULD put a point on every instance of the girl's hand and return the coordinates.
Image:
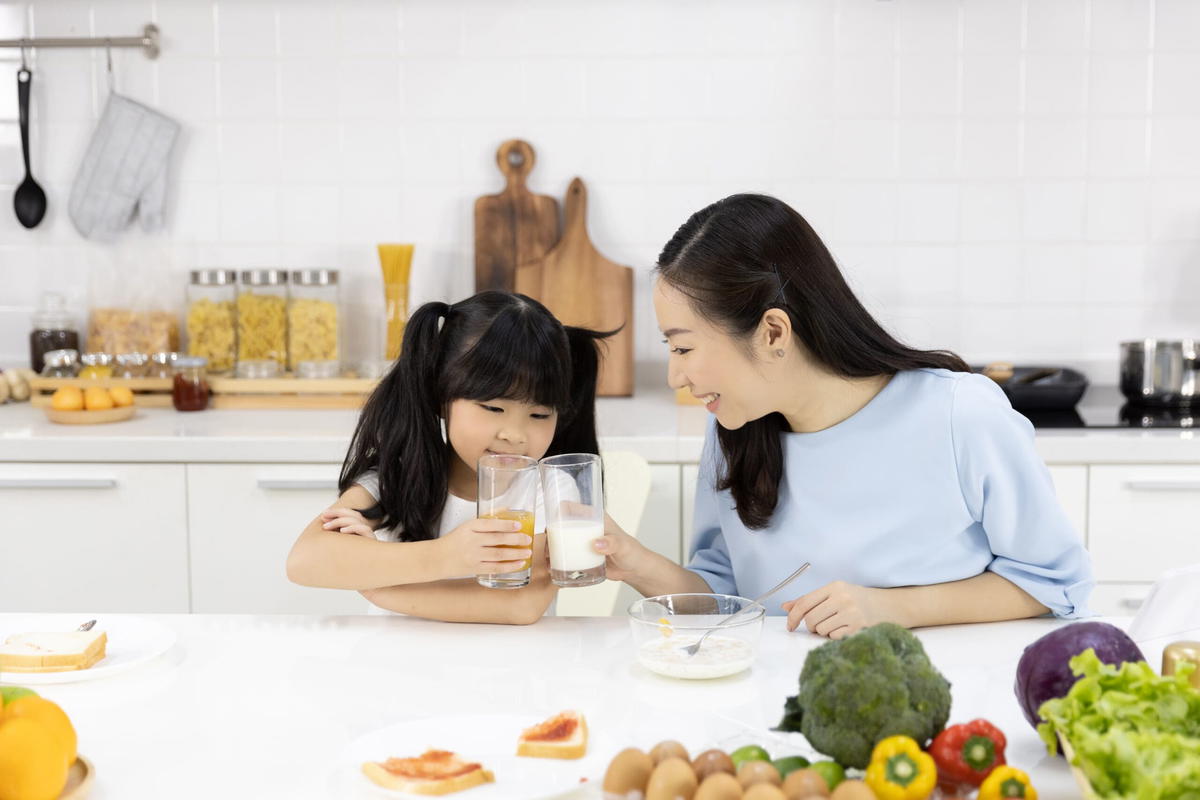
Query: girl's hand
(838, 609)
(482, 546)
(622, 552)
(346, 520)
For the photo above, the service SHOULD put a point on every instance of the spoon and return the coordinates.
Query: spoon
(694, 648)
(87, 626)
(29, 201)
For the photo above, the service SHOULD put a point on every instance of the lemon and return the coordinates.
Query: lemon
(33, 763)
(49, 715)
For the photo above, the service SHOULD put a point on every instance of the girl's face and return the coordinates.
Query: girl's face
(476, 428)
(710, 363)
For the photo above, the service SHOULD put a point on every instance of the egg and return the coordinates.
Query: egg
(852, 790)
(805, 782)
(628, 771)
(673, 779)
(764, 791)
(668, 749)
(719, 786)
(753, 772)
(711, 761)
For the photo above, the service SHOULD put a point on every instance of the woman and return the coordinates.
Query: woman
(909, 483)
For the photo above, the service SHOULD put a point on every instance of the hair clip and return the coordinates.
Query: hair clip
(781, 281)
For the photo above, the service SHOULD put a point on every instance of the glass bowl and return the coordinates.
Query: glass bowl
(664, 625)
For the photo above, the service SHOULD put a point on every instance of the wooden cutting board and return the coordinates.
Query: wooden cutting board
(585, 289)
(515, 226)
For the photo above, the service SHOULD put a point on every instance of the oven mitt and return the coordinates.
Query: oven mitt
(124, 171)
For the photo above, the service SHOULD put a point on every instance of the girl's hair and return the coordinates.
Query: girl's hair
(489, 346)
(745, 254)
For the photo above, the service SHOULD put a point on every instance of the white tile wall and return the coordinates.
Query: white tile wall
(1008, 178)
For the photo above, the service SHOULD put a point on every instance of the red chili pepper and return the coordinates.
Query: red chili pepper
(967, 753)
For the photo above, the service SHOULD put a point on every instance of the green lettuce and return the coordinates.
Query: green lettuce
(1135, 735)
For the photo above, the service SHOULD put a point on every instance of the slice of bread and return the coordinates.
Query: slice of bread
(52, 652)
(433, 772)
(562, 736)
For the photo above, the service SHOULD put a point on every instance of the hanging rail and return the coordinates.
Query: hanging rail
(148, 41)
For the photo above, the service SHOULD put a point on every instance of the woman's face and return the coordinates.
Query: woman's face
(709, 362)
(476, 428)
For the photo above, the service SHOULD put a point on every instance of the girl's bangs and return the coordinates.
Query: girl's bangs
(512, 362)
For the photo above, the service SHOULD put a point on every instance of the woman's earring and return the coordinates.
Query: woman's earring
(779, 354)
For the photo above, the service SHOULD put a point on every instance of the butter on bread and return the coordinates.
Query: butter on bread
(433, 772)
(564, 735)
(52, 652)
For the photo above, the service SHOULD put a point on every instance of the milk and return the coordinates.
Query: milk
(572, 559)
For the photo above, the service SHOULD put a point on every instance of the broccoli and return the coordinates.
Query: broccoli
(858, 690)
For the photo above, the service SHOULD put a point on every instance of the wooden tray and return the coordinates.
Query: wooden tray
(79, 780)
(147, 392)
(88, 417)
(290, 392)
(1081, 779)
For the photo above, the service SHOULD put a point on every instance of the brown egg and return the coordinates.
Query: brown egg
(668, 749)
(711, 761)
(764, 791)
(805, 782)
(719, 786)
(852, 790)
(673, 779)
(628, 771)
(752, 772)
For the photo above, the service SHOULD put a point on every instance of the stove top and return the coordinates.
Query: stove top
(1106, 407)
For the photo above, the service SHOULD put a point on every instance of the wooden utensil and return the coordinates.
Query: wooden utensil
(583, 288)
(515, 226)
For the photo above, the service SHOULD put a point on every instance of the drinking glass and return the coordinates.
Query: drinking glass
(573, 488)
(508, 488)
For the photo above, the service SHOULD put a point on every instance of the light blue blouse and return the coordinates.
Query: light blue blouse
(935, 480)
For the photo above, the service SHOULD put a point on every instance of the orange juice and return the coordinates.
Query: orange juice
(526, 520)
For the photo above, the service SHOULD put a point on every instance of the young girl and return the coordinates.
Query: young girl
(495, 373)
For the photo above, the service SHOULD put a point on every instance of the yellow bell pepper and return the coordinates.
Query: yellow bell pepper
(899, 770)
(1006, 782)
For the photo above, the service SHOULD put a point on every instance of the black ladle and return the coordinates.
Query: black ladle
(29, 201)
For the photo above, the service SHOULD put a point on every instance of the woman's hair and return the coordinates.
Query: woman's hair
(490, 346)
(745, 254)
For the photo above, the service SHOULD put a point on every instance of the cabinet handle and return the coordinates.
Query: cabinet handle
(1132, 603)
(1163, 485)
(58, 483)
(297, 484)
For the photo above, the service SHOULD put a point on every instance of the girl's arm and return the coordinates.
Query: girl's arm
(464, 600)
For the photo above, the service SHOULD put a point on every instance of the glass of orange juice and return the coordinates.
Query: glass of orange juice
(508, 489)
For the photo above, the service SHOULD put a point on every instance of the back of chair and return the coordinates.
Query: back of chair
(626, 489)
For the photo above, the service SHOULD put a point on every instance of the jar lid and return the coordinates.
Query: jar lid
(163, 357)
(258, 368)
(60, 358)
(190, 362)
(314, 277)
(96, 359)
(213, 277)
(264, 277)
(132, 359)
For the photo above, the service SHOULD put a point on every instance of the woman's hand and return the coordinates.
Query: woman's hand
(622, 552)
(838, 609)
(484, 546)
(346, 520)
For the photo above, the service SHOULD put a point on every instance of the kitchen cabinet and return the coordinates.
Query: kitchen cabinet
(1117, 599)
(243, 519)
(1071, 487)
(93, 538)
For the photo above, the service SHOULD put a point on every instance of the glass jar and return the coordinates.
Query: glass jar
(189, 386)
(131, 365)
(262, 316)
(53, 329)
(60, 364)
(313, 323)
(211, 322)
(161, 365)
(95, 366)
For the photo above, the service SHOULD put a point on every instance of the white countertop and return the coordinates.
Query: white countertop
(650, 423)
(266, 704)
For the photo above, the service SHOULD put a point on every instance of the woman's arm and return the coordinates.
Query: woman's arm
(646, 571)
(464, 600)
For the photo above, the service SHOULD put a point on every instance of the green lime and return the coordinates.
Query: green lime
(831, 771)
(789, 764)
(10, 693)
(750, 752)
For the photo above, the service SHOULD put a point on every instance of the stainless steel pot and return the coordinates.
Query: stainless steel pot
(1158, 372)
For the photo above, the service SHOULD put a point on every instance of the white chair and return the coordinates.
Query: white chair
(626, 489)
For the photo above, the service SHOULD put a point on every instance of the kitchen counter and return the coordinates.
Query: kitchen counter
(266, 703)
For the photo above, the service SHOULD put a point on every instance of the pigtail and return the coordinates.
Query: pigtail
(399, 434)
(576, 431)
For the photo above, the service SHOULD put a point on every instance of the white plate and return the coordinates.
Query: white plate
(490, 740)
(132, 641)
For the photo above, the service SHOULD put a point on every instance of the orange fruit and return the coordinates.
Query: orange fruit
(68, 398)
(33, 760)
(121, 396)
(96, 398)
(49, 714)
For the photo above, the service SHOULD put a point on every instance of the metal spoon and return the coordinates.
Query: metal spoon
(694, 648)
(29, 201)
(87, 626)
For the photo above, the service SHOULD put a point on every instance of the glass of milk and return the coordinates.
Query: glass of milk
(573, 491)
